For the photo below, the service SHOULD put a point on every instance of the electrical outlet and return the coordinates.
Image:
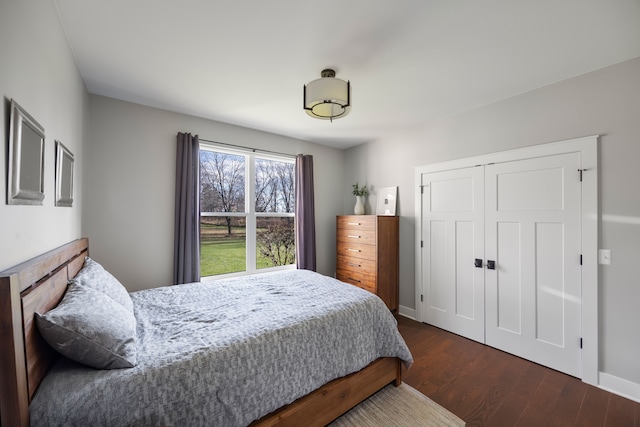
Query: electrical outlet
(604, 256)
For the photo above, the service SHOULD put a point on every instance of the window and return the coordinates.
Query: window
(246, 211)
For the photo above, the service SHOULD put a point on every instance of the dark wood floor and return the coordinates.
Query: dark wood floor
(487, 387)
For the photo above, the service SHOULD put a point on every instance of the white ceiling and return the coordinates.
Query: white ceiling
(410, 62)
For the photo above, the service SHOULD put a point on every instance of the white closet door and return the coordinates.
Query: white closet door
(453, 236)
(533, 234)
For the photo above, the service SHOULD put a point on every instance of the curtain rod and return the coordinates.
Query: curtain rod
(254, 150)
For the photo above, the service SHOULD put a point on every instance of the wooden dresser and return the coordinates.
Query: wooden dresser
(367, 254)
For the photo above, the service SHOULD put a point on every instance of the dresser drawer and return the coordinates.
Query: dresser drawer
(363, 281)
(365, 237)
(364, 266)
(356, 222)
(356, 250)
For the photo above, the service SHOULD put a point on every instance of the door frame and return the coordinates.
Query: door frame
(587, 147)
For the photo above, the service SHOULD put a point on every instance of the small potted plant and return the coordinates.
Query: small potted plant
(360, 193)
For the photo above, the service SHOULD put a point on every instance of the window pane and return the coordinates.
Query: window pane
(221, 182)
(223, 242)
(274, 186)
(275, 242)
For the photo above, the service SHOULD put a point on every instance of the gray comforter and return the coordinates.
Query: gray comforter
(225, 353)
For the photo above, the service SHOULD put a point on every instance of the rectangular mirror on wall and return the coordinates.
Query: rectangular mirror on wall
(26, 159)
(64, 176)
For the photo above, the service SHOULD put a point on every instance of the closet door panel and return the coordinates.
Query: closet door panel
(453, 237)
(533, 304)
(439, 296)
(509, 278)
(549, 284)
(464, 271)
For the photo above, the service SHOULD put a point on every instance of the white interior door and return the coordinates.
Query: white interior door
(453, 236)
(533, 234)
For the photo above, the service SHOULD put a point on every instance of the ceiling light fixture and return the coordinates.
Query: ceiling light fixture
(327, 98)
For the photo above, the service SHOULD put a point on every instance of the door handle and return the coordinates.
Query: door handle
(478, 263)
(491, 265)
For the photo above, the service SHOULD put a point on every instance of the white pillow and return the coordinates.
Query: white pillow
(91, 328)
(94, 276)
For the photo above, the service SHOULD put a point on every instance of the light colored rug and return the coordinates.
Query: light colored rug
(401, 406)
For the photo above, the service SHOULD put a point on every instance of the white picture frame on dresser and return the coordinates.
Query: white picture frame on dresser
(387, 201)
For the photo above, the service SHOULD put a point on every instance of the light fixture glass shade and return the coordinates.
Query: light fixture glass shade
(327, 98)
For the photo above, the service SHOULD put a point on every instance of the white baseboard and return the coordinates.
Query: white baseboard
(407, 312)
(620, 386)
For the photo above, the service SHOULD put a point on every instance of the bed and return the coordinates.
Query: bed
(241, 358)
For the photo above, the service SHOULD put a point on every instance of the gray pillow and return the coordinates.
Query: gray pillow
(94, 276)
(91, 328)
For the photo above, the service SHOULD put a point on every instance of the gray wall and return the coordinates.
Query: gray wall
(37, 69)
(604, 102)
(129, 207)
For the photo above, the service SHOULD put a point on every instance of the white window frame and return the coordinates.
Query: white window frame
(249, 209)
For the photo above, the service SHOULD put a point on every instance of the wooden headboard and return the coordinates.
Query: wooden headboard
(35, 285)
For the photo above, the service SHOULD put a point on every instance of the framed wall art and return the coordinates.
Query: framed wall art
(387, 201)
(64, 175)
(26, 159)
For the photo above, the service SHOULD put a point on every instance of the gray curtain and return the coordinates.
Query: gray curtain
(305, 216)
(186, 265)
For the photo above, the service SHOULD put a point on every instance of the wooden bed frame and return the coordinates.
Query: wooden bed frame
(39, 285)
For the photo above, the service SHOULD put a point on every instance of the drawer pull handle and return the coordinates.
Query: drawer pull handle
(353, 250)
(353, 236)
(353, 223)
(352, 264)
(355, 280)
